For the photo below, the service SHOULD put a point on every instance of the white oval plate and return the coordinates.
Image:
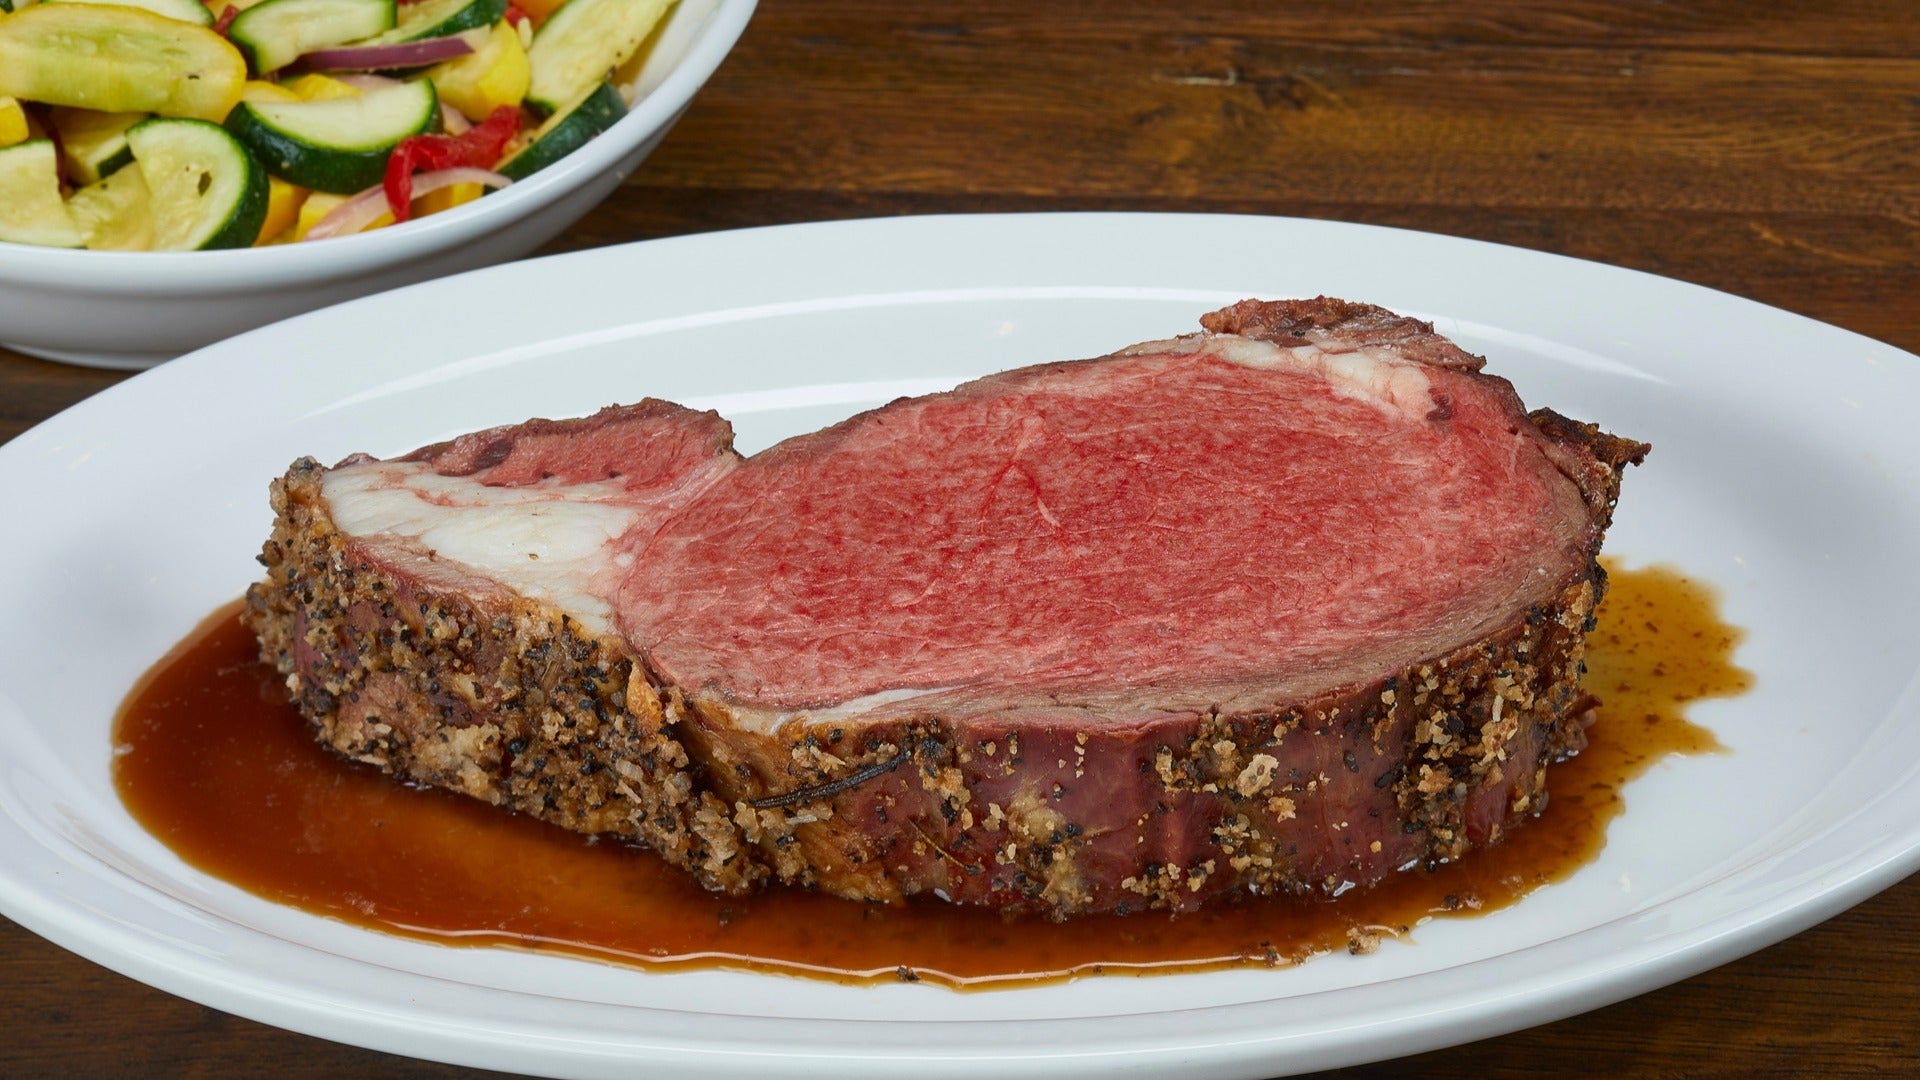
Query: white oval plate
(1784, 470)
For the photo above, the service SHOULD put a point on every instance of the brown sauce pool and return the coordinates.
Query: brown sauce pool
(210, 758)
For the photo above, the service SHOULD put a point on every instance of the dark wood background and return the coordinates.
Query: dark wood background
(1768, 149)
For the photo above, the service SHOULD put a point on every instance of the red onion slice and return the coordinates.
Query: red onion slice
(366, 207)
(452, 122)
(406, 54)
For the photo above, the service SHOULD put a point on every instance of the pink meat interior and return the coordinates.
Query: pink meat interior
(650, 447)
(1178, 522)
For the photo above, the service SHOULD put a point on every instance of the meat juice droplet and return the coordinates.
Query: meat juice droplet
(210, 759)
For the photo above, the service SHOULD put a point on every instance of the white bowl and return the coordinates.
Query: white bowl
(136, 309)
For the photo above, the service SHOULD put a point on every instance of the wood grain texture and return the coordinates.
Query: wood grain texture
(1770, 150)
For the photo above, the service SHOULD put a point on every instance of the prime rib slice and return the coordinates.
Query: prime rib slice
(1279, 607)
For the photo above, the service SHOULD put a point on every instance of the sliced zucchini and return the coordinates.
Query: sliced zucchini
(118, 59)
(425, 19)
(93, 144)
(187, 11)
(582, 43)
(115, 214)
(30, 208)
(493, 75)
(206, 190)
(566, 131)
(275, 33)
(336, 144)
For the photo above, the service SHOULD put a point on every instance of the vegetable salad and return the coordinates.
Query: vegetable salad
(178, 125)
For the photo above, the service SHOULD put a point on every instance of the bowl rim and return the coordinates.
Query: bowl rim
(191, 272)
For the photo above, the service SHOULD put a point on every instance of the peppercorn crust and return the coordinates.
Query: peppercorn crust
(465, 686)
(450, 679)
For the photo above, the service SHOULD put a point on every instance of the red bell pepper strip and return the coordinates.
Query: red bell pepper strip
(479, 147)
(225, 20)
(515, 16)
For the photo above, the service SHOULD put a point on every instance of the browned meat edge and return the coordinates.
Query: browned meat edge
(505, 701)
(500, 698)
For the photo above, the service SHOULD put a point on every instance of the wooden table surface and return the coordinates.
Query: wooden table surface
(1770, 150)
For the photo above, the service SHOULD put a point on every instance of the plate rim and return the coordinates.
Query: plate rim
(1869, 871)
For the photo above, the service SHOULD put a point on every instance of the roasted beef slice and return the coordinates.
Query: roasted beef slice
(1281, 606)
